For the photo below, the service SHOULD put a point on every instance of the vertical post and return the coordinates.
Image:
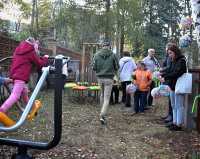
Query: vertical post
(58, 100)
(51, 44)
(83, 63)
(198, 110)
(22, 154)
(189, 121)
(89, 73)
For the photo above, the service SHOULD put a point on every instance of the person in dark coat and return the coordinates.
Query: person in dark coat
(164, 70)
(176, 70)
(106, 65)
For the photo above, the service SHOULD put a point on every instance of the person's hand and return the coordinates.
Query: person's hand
(46, 56)
(161, 69)
(8, 80)
(162, 80)
(134, 76)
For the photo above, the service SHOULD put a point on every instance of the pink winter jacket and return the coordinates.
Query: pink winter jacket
(24, 57)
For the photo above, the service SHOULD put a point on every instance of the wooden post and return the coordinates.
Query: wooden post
(51, 44)
(189, 99)
(89, 67)
(83, 64)
(198, 110)
(196, 86)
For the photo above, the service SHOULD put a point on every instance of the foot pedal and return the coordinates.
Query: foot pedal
(37, 105)
(5, 120)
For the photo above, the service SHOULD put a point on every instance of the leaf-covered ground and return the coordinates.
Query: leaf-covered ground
(124, 137)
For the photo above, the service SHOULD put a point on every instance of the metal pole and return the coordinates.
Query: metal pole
(22, 154)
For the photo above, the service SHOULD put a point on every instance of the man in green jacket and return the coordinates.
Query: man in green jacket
(106, 65)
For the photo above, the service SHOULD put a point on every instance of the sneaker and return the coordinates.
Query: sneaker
(176, 128)
(168, 119)
(133, 113)
(164, 117)
(147, 108)
(103, 120)
(169, 124)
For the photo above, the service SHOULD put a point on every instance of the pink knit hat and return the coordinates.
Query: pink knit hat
(33, 42)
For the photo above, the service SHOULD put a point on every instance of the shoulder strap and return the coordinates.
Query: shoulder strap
(156, 62)
(186, 62)
(123, 66)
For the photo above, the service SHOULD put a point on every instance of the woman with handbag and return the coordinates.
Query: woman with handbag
(176, 70)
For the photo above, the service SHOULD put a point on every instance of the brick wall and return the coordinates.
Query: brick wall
(7, 46)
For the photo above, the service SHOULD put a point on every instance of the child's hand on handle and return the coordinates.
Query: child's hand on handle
(162, 79)
(46, 56)
(8, 80)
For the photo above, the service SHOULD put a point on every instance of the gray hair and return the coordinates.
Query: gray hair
(151, 50)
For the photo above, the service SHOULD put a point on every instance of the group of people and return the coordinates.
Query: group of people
(107, 67)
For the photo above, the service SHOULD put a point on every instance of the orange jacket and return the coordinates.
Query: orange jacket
(143, 79)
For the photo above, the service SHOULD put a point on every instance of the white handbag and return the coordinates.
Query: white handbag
(131, 88)
(184, 83)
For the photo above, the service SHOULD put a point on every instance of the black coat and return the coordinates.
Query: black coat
(177, 68)
(166, 64)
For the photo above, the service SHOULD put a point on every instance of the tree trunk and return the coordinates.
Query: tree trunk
(122, 41)
(118, 33)
(189, 13)
(33, 16)
(122, 35)
(36, 17)
(107, 32)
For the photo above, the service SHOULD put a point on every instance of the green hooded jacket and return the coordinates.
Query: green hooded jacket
(105, 64)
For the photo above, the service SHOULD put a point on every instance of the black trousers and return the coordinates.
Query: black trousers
(126, 98)
(170, 112)
(114, 92)
(150, 98)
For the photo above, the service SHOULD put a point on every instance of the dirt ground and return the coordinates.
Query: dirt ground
(124, 137)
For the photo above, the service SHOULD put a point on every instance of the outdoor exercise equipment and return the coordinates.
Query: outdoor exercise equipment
(194, 105)
(23, 145)
(37, 105)
(5, 120)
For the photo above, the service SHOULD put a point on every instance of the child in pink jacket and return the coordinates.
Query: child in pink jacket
(24, 56)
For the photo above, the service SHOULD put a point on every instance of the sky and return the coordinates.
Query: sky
(12, 12)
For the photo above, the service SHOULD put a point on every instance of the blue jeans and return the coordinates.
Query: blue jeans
(140, 100)
(177, 103)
